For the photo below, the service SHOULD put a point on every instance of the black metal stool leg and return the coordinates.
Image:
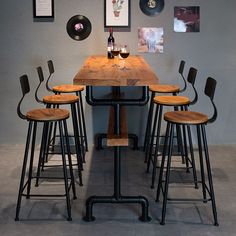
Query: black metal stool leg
(50, 141)
(65, 172)
(22, 179)
(53, 140)
(192, 156)
(165, 195)
(149, 123)
(201, 164)
(180, 143)
(157, 145)
(46, 142)
(160, 179)
(83, 121)
(81, 136)
(52, 133)
(212, 195)
(31, 160)
(77, 142)
(185, 149)
(42, 152)
(150, 141)
(69, 159)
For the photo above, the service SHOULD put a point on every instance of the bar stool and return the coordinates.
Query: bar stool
(44, 116)
(71, 88)
(56, 101)
(162, 88)
(199, 121)
(177, 102)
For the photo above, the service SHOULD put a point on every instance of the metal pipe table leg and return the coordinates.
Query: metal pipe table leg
(117, 198)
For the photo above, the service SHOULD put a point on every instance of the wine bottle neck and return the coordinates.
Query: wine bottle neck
(111, 31)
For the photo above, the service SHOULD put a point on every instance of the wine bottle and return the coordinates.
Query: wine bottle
(110, 43)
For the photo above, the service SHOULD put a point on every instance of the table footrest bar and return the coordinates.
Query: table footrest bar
(117, 200)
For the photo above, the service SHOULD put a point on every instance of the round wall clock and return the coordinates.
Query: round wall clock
(78, 27)
(151, 7)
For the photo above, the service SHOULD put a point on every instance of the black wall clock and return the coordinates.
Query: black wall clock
(151, 7)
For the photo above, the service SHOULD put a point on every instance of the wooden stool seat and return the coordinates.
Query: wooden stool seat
(171, 100)
(186, 117)
(60, 99)
(164, 88)
(48, 114)
(67, 88)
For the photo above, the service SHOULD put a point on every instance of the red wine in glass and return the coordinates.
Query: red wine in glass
(124, 54)
(115, 49)
(115, 52)
(124, 51)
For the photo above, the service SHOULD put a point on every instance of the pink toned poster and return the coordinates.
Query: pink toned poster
(150, 40)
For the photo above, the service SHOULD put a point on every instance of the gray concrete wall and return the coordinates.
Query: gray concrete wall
(26, 44)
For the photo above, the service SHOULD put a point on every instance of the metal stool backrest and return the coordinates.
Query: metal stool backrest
(191, 79)
(51, 71)
(181, 71)
(209, 91)
(41, 79)
(25, 88)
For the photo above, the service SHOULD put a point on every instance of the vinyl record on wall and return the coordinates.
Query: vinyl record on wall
(151, 7)
(79, 27)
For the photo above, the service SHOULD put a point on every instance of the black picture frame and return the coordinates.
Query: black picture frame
(117, 13)
(43, 8)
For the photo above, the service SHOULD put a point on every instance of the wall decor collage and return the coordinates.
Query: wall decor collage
(117, 15)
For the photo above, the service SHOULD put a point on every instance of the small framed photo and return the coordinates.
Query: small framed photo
(117, 13)
(43, 8)
(150, 40)
(187, 19)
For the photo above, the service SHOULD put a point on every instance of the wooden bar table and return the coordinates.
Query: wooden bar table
(101, 71)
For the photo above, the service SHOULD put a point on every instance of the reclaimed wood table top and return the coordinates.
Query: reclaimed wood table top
(101, 71)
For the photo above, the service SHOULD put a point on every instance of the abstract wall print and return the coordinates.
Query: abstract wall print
(150, 40)
(117, 13)
(187, 19)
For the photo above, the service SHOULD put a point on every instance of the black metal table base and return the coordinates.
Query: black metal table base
(117, 200)
(117, 197)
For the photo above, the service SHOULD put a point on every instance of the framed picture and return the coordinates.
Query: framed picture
(43, 8)
(150, 40)
(187, 19)
(117, 13)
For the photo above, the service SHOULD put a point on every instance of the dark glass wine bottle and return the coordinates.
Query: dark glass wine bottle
(110, 43)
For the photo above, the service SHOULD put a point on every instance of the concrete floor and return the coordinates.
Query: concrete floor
(48, 217)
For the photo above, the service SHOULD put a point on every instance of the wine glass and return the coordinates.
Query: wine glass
(115, 49)
(124, 53)
(115, 52)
